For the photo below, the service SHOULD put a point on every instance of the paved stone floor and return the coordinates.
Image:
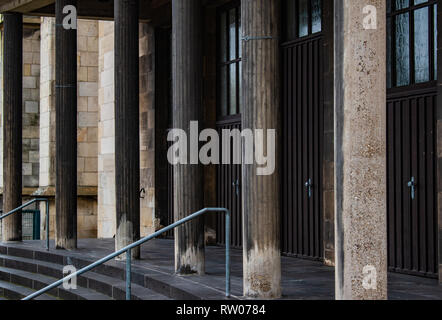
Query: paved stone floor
(301, 279)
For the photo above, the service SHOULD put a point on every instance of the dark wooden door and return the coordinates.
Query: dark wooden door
(302, 115)
(229, 116)
(412, 221)
(164, 183)
(411, 141)
(229, 182)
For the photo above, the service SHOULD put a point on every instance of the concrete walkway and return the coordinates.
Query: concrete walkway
(301, 279)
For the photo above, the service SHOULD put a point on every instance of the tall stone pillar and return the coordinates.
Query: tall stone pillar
(12, 132)
(127, 126)
(360, 150)
(187, 106)
(439, 133)
(66, 130)
(261, 110)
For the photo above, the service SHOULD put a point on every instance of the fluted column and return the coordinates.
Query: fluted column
(439, 133)
(66, 130)
(187, 106)
(261, 110)
(12, 121)
(360, 150)
(127, 126)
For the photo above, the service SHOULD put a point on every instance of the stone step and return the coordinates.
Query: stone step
(167, 285)
(38, 281)
(16, 292)
(110, 286)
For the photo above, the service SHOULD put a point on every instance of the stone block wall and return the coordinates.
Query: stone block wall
(47, 103)
(148, 222)
(31, 118)
(87, 120)
(31, 109)
(87, 103)
(106, 132)
(31, 105)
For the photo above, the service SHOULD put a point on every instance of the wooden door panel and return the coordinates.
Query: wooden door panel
(412, 220)
(229, 182)
(302, 112)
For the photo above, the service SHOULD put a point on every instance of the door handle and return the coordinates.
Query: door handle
(309, 185)
(236, 186)
(412, 186)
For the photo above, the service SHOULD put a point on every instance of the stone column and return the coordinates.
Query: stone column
(439, 133)
(360, 151)
(328, 152)
(127, 126)
(12, 132)
(187, 106)
(261, 110)
(87, 131)
(66, 130)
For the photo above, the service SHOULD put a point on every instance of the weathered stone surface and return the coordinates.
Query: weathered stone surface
(87, 127)
(31, 99)
(261, 105)
(187, 106)
(360, 122)
(12, 121)
(106, 133)
(147, 132)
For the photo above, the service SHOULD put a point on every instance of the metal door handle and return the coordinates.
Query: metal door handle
(412, 186)
(236, 186)
(309, 185)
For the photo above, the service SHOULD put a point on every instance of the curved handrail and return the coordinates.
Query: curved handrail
(27, 204)
(128, 249)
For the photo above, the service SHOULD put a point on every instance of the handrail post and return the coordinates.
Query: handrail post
(47, 224)
(227, 253)
(128, 274)
(128, 251)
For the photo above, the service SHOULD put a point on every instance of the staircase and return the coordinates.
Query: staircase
(24, 271)
(27, 272)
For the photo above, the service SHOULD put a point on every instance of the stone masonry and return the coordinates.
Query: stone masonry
(31, 109)
(106, 132)
(96, 125)
(87, 118)
(31, 101)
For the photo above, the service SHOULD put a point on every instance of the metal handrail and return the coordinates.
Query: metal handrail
(128, 249)
(27, 204)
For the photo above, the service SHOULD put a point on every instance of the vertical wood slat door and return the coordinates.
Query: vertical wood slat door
(229, 68)
(412, 214)
(302, 116)
(229, 182)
